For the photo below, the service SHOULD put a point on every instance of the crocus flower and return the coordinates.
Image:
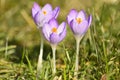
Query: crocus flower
(79, 25)
(54, 33)
(78, 22)
(43, 15)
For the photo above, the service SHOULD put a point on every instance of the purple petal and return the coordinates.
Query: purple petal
(81, 15)
(47, 8)
(71, 25)
(89, 20)
(46, 31)
(61, 27)
(80, 29)
(39, 19)
(48, 17)
(73, 13)
(53, 23)
(35, 9)
(56, 11)
(54, 38)
(63, 34)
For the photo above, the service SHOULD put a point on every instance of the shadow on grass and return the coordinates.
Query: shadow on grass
(31, 52)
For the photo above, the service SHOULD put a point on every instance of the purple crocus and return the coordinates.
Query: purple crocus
(54, 33)
(79, 25)
(43, 15)
(78, 22)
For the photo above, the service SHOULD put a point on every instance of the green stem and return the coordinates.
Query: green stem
(53, 61)
(78, 39)
(39, 66)
(106, 60)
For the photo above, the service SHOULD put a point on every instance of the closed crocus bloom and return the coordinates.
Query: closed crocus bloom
(43, 15)
(78, 22)
(53, 32)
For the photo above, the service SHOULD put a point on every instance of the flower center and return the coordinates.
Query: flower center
(79, 20)
(44, 12)
(54, 30)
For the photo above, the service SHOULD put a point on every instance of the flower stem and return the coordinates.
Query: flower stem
(53, 61)
(78, 39)
(39, 65)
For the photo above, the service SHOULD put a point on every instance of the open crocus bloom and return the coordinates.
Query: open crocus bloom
(43, 15)
(53, 32)
(78, 22)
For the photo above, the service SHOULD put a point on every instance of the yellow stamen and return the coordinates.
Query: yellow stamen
(79, 20)
(54, 30)
(44, 12)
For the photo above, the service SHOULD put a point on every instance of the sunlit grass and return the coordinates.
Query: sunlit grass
(99, 49)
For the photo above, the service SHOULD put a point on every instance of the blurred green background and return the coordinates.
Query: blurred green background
(19, 34)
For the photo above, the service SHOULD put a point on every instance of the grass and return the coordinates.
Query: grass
(99, 49)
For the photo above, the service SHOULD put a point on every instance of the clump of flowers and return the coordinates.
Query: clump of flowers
(79, 24)
(45, 19)
(41, 16)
